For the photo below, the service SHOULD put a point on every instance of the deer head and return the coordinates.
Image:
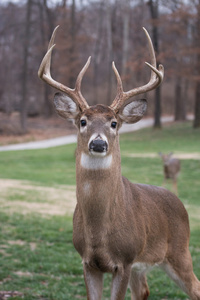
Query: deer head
(99, 124)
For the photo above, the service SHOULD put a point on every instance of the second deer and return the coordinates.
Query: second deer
(171, 169)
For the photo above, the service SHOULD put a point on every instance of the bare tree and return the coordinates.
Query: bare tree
(97, 49)
(73, 36)
(109, 49)
(23, 109)
(153, 5)
(197, 87)
(47, 108)
(125, 42)
(178, 30)
(180, 100)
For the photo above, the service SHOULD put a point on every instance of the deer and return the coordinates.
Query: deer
(120, 227)
(171, 169)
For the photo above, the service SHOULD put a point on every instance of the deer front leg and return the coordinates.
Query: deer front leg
(94, 282)
(120, 283)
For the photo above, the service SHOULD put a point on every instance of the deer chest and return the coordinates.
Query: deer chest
(167, 172)
(103, 250)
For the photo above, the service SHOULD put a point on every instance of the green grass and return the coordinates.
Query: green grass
(50, 270)
(37, 256)
(179, 137)
(47, 167)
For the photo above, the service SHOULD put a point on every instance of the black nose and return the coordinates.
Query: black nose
(98, 145)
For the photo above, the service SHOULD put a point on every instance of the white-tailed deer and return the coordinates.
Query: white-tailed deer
(171, 169)
(120, 227)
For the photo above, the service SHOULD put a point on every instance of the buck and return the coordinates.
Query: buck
(120, 227)
(171, 168)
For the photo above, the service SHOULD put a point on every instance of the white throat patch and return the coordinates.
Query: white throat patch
(94, 163)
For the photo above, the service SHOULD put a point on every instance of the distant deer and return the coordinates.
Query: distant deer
(120, 227)
(171, 168)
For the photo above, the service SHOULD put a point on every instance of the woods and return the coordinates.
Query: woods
(107, 30)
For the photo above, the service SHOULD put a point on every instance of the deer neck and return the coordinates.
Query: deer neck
(99, 180)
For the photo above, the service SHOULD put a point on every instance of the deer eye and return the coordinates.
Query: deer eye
(83, 123)
(114, 124)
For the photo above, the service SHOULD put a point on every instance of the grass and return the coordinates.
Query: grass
(179, 137)
(49, 270)
(47, 167)
(37, 256)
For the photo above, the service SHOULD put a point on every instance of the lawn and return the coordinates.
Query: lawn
(37, 256)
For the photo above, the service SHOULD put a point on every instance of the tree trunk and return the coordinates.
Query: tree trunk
(180, 109)
(73, 44)
(109, 51)
(50, 18)
(64, 3)
(157, 112)
(196, 123)
(97, 52)
(48, 107)
(125, 45)
(153, 5)
(24, 100)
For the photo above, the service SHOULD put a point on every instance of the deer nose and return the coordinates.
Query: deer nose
(98, 146)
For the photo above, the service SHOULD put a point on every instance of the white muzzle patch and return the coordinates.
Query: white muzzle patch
(92, 162)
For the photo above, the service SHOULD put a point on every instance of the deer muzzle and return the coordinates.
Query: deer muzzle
(98, 145)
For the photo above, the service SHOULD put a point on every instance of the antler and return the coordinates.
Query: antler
(45, 74)
(155, 79)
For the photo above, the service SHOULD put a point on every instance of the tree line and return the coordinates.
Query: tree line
(108, 30)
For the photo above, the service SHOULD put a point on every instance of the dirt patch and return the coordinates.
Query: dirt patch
(17, 242)
(59, 200)
(195, 155)
(8, 294)
(23, 274)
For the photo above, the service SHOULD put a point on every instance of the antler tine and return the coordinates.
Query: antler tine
(45, 74)
(154, 71)
(51, 42)
(151, 48)
(120, 93)
(45, 65)
(80, 77)
(155, 79)
(119, 81)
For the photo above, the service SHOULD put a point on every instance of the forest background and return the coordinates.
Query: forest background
(108, 30)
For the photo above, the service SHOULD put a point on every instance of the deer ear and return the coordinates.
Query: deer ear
(65, 106)
(133, 111)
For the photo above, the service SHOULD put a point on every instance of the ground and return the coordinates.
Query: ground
(46, 201)
(30, 208)
(39, 128)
